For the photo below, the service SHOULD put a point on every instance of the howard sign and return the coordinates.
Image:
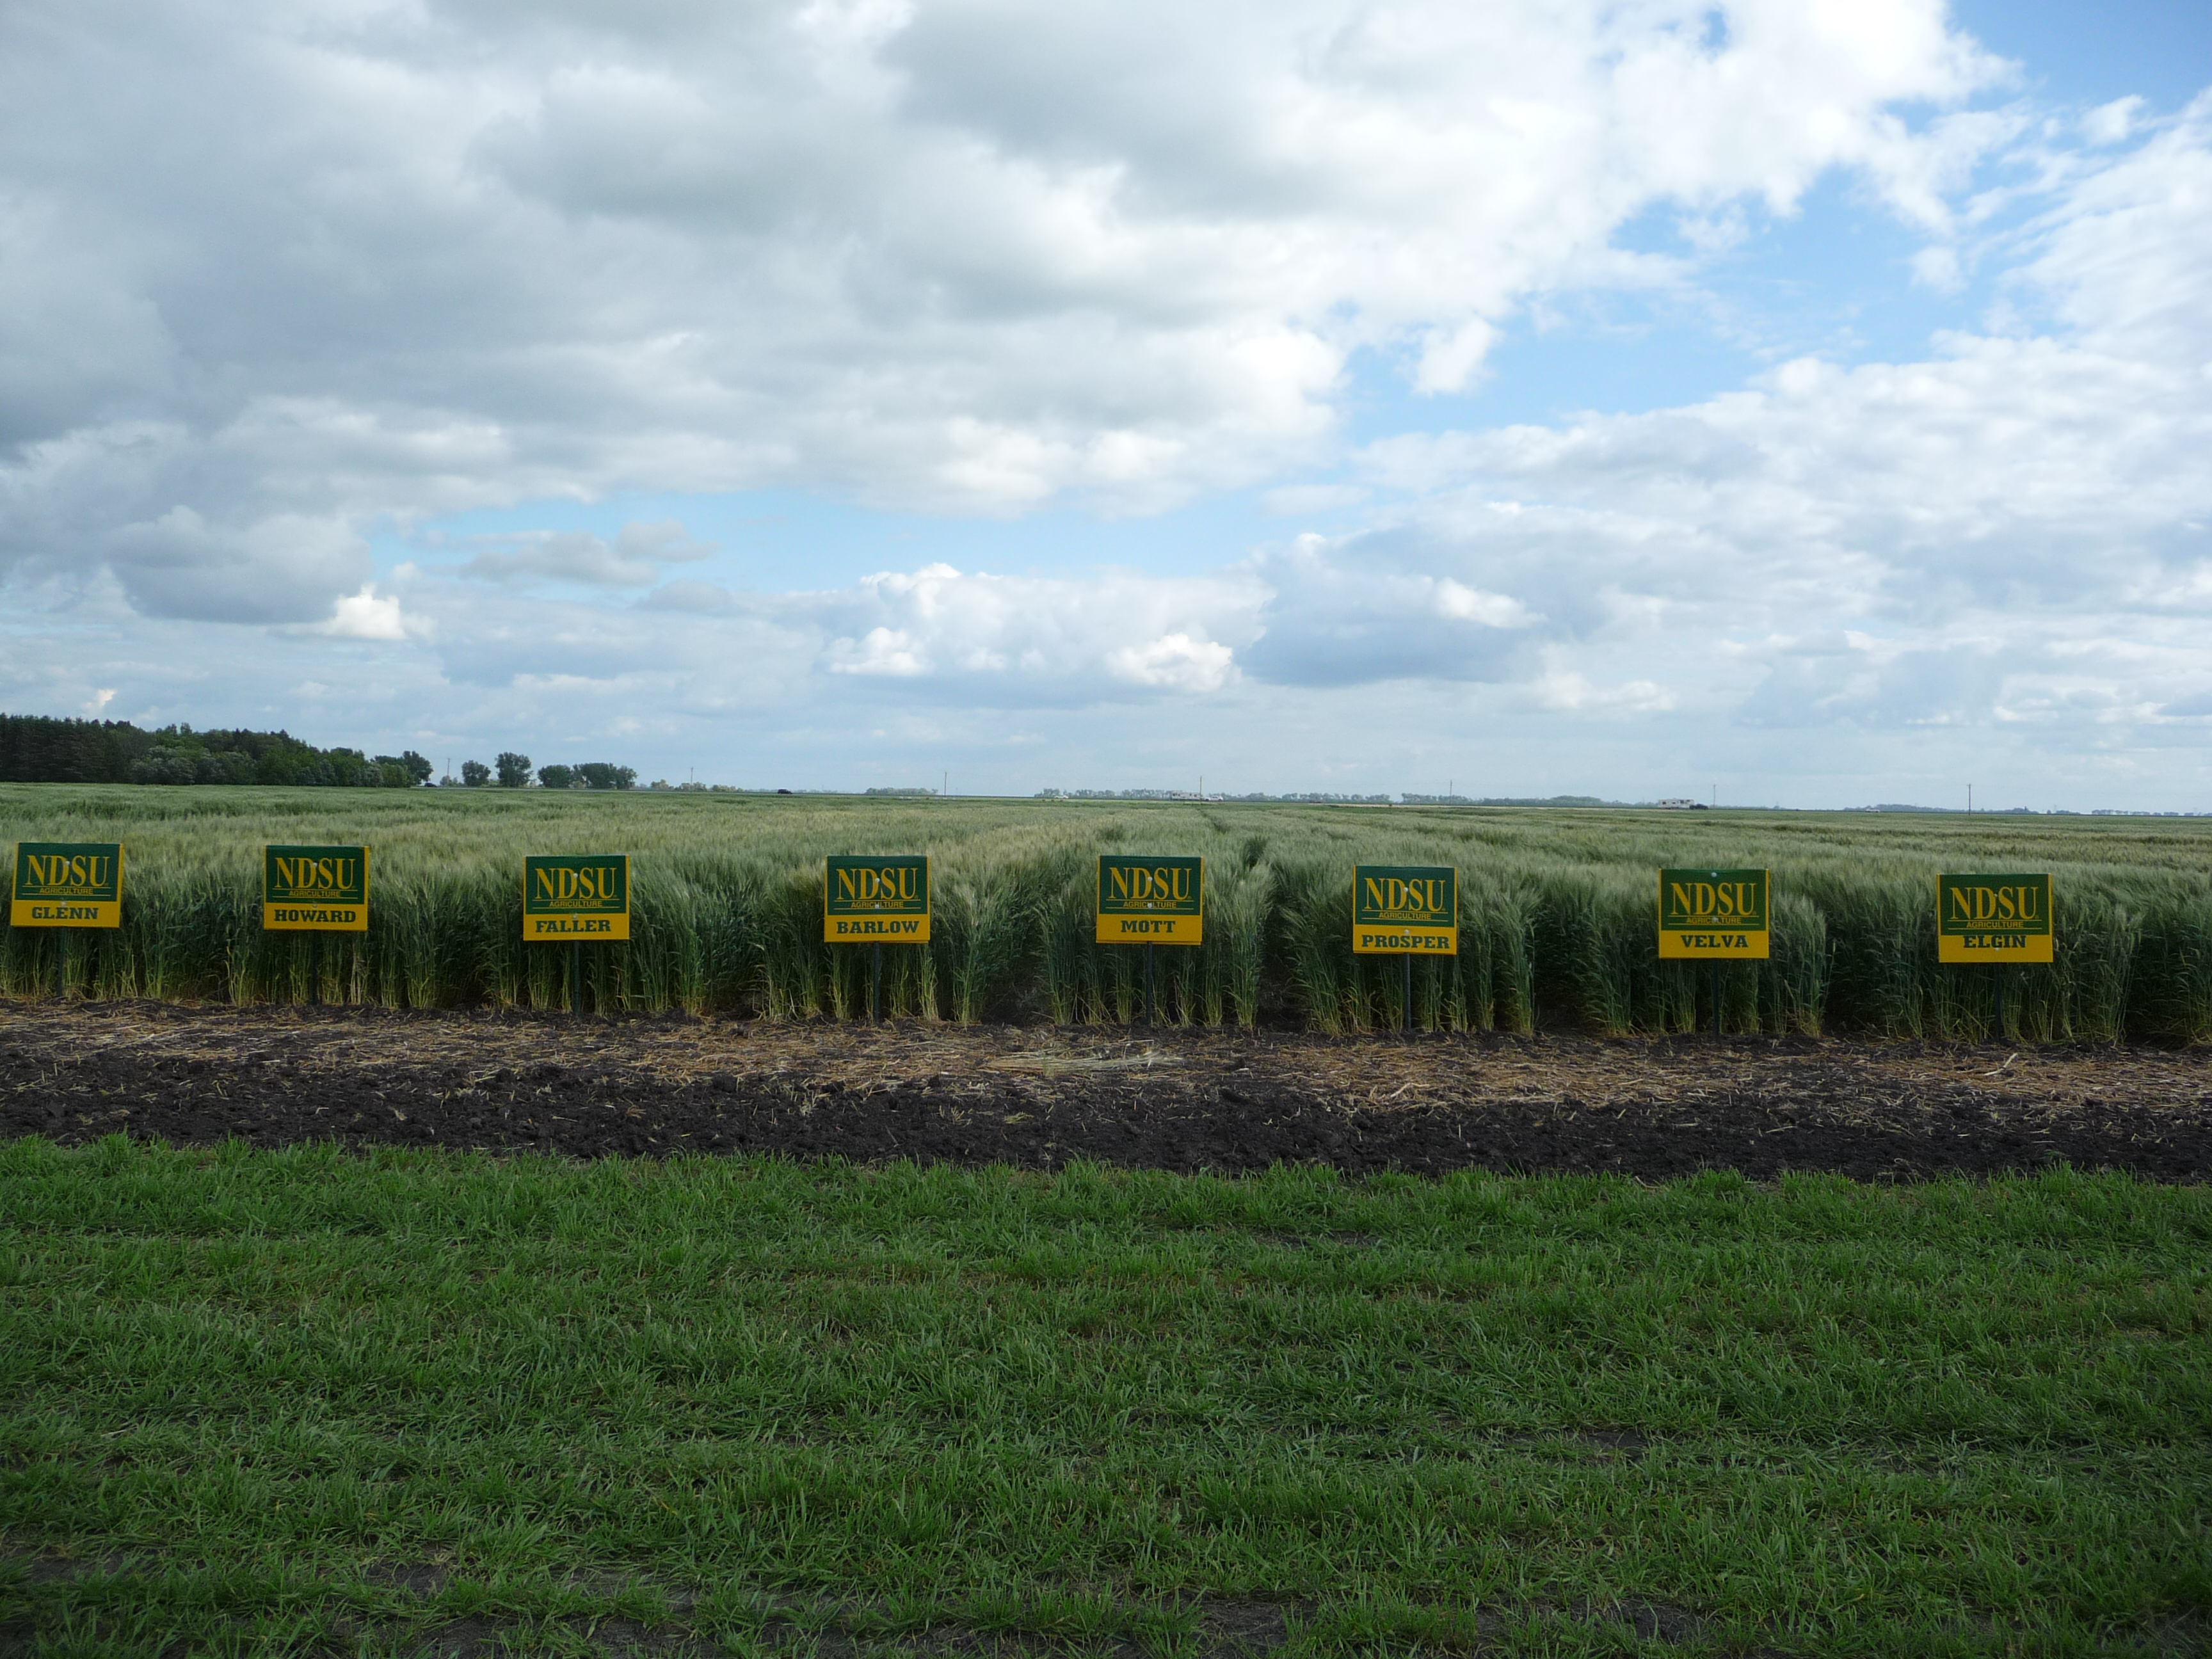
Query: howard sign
(314, 890)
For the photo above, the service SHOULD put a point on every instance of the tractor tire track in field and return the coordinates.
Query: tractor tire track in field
(1041, 1097)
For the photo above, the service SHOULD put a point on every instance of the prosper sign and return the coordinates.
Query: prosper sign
(583, 897)
(1405, 909)
(1714, 914)
(314, 890)
(1151, 901)
(67, 883)
(1993, 919)
(881, 899)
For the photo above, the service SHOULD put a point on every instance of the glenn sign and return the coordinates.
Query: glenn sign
(880, 899)
(1713, 915)
(314, 890)
(575, 898)
(1151, 901)
(67, 883)
(1405, 909)
(1993, 919)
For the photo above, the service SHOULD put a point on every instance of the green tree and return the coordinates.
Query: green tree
(514, 769)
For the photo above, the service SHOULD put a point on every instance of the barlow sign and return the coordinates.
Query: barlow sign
(877, 900)
(1713, 914)
(314, 890)
(1993, 919)
(580, 897)
(1401, 909)
(67, 883)
(1151, 901)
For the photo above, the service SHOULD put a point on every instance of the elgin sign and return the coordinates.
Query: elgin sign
(1151, 901)
(583, 897)
(1714, 914)
(67, 883)
(1400, 909)
(1993, 919)
(314, 890)
(878, 899)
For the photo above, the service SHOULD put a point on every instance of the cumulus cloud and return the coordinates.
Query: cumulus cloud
(367, 262)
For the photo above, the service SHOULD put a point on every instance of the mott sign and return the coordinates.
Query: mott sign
(314, 890)
(1405, 910)
(1993, 919)
(877, 900)
(1713, 914)
(67, 883)
(1151, 901)
(583, 896)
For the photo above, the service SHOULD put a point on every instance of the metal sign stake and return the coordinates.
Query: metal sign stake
(876, 986)
(1152, 1015)
(314, 970)
(576, 977)
(1406, 1005)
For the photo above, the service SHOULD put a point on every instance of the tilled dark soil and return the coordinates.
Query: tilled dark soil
(1042, 1097)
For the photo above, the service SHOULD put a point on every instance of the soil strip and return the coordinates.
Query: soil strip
(1041, 1097)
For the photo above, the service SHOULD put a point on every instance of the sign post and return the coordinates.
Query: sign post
(876, 899)
(1715, 916)
(314, 890)
(1405, 910)
(1151, 901)
(575, 898)
(1995, 920)
(67, 885)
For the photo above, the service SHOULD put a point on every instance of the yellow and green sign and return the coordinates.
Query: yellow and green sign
(67, 883)
(1151, 901)
(1405, 909)
(877, 899)
(1716, 914)
(314, 890)
(579, 896)
(1993, 919)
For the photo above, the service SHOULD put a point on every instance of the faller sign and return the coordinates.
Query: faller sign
(575, 898)
(1718, 916)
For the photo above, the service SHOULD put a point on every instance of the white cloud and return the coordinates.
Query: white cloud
(365, 616)
(334, 265)
(1175, 661)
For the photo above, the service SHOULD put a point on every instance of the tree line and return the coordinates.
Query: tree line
(39, 749)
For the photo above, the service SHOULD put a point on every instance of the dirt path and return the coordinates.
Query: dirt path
(1040, 1098)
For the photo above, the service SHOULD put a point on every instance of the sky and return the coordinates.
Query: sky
(1803, 403)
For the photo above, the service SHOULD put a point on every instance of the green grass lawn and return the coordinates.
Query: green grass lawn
(311, 1400)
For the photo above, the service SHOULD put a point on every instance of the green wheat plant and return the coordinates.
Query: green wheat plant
(1557, 912)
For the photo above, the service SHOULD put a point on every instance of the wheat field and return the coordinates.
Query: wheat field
(1556, 911)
